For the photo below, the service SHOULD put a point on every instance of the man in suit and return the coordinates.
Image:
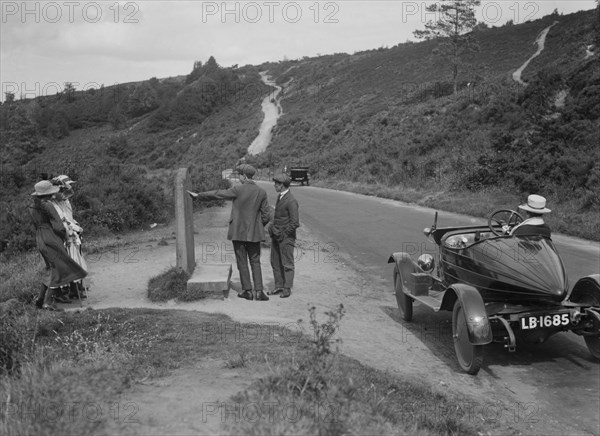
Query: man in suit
(283, 237)
(250, 212)
(534, 224)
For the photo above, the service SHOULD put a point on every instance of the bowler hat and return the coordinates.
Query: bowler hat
(45, 187)
(282, 178)
(535, 204)
(246, 170)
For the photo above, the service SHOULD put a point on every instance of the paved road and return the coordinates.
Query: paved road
(558, 378)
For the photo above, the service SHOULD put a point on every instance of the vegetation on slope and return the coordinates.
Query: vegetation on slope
(122, 143)
(496, 135)
(386, 117)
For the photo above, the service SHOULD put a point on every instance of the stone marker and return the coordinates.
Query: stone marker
(184, 218)
(207, 280)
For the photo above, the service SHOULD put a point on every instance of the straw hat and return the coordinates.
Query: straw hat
(45, 187)
(535, 204)
(63, 180)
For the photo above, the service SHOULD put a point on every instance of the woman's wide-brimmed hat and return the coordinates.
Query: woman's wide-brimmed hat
(535, 204)
(45, 187)
(63, 180)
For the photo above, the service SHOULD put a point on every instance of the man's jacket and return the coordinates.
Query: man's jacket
(285, 219)
(532, 226)
(250, 211)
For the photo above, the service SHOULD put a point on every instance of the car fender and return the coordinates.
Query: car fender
(405, 264)
(585, 290)
(478, 324)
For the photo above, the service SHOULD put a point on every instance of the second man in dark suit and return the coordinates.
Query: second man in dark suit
(283, 237)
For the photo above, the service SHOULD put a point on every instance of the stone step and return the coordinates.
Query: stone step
(210, 280)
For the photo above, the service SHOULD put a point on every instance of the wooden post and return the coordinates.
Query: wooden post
(184, 218)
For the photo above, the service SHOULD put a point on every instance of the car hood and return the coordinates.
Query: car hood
(527, 266)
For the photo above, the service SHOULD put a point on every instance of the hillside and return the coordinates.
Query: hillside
(389, 117)
(387, 109)
(385, 116)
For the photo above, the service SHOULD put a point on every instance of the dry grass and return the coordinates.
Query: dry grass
(76, 363)
(313, 390)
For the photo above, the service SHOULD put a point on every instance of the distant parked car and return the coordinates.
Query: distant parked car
(300, 174)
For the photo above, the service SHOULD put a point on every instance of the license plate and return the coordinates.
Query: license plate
(544, 321)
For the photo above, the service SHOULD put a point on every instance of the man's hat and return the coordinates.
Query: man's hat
(282, 178)
(246, 170)
(45, 187)
(535, 204)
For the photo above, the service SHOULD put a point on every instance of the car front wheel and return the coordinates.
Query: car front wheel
(470, 357)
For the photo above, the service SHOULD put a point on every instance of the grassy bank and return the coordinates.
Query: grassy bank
(71, 366)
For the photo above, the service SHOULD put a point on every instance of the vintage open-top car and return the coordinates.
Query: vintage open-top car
(499, 286)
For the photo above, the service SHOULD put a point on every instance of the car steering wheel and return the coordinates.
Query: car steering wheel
(500, 218)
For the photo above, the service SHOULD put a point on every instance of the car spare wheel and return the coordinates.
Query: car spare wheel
(405, 303)
(470, 357)
(589, 296)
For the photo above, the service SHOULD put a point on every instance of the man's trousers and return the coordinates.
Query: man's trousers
(282, 262)
(248, 252)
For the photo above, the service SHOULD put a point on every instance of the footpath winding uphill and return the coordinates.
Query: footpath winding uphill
(272, 110)
(541, 43)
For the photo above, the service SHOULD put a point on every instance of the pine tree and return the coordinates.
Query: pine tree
(453, 28)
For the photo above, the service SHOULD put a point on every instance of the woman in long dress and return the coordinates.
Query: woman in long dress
(73, 242)
(50, 238)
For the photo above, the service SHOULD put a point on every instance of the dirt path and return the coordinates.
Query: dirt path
(541, 42)
(371, 331)
(272, 109)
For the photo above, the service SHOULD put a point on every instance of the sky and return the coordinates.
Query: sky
(44, 44)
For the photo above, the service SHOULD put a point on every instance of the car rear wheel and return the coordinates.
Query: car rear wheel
(593, 344)
(470, 357)
(405, 303)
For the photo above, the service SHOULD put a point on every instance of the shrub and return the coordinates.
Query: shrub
(169, 285)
